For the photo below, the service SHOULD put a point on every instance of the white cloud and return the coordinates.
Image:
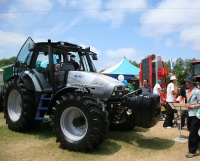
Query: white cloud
(62, 2)
(169, 43)
(128, 52)
(170, 16)
(37, 5)
(23, 12)
(11, 39)
(11, 43)
(192, 36)
(113, 11)
(10, 14)
(178, 17)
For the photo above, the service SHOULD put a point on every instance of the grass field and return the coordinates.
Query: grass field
(154, 144)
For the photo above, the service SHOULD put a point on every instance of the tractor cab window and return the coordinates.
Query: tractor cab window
(85, 65)
(73, 57)
(42, 61)
(24, 57)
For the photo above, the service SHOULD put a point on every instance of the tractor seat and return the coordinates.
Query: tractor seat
(67, 67)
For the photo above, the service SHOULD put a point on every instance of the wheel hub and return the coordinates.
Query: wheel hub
(73, 123)
(14, 105)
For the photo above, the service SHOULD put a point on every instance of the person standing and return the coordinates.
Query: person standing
(198, 85)
(145, 89)
(76, 65)
(168, 123)
(157, 90)
(193, 103)
(131, 87)
(183, 97)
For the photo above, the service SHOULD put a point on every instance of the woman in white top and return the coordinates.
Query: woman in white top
(170, 99)
(157, 90)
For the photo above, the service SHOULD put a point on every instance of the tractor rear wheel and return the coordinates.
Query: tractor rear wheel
(79, 122)
(1, 97)
(19, 107)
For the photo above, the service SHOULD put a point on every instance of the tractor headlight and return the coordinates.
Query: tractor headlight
(118, 91)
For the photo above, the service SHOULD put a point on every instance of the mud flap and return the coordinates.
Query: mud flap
(145, 109)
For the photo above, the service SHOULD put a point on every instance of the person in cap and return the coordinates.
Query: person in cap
(192, 105)
(168, 123)
(76, 65)
(157, 90)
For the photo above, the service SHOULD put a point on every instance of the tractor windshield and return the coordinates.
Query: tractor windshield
(23, 58)
(83, 59)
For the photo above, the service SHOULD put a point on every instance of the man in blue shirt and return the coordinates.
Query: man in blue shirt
(192, 105)
(145, 88)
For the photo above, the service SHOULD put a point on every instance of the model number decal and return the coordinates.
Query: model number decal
(79, 76)
(99, 83)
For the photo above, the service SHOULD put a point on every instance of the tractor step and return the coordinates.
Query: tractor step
(45, 99)
(49, 89)
(42, 108)
(41, 119)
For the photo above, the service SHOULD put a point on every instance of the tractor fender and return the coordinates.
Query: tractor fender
(28, 82)
(59, 93)
(9, 79)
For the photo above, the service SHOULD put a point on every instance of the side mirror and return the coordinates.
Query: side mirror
(17, 64)
(87, 48)
(94, 57)
(31, 46)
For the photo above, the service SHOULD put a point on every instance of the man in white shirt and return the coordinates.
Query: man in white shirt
(157, 90)
(170, 99)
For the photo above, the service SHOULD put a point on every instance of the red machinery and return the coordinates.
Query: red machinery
(196, 69)
(153, 68)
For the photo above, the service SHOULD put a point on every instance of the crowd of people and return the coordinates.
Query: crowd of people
(190, 95)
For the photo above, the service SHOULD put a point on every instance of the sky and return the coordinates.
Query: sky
(112, 28)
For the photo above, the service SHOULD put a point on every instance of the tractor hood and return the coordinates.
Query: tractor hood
(100, 85)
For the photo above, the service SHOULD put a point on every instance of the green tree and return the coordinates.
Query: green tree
(182, 68)
(5, 62)
(135, 63)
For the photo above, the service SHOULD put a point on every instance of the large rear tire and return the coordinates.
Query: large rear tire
(1, 97)
(19, 108)
(79, 122)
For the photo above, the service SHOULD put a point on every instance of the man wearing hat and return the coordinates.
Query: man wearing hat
(168, 123)
(76, 65)
(192, 105)
(157, 90)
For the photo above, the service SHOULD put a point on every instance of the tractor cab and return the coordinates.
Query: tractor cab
(51, 61)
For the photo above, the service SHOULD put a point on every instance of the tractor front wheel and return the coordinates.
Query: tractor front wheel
(1, 97)
(79, 122)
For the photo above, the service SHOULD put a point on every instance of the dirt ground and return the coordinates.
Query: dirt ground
(154, 144)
